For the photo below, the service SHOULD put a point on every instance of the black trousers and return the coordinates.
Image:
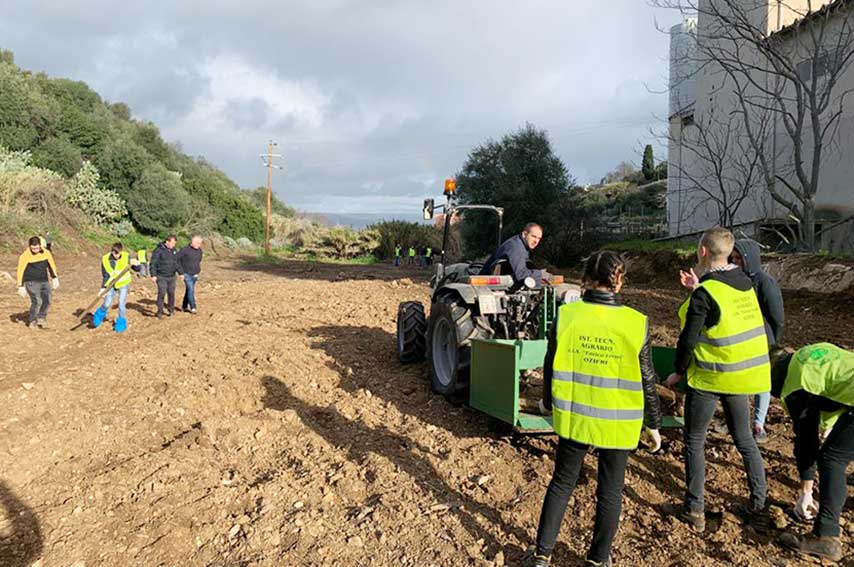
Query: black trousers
(609, 497)
(165, 287)
(833, 458)
(699, 410)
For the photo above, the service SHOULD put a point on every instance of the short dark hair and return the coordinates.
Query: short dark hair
(603, 269)
(531, 225)
(171, 237)
(35, 240)
(117, 247)
(780, 361)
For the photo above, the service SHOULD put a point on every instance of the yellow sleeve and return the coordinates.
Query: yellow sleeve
(22, 264)
(51, 263)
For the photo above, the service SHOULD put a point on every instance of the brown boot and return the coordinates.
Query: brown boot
(696, 520)
(825, 547)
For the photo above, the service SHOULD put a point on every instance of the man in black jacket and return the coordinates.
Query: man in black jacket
(747, 255)
(163, 268)
(516, 251)
(190, 264)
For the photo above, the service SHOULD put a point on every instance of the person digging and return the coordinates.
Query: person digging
(816, 386)
(116, 269)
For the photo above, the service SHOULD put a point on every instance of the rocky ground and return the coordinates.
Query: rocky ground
(276, 427)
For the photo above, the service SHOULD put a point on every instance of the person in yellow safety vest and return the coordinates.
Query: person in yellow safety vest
(600, 384)
(116, 278)
(428, 256)
(142, 258)
(397, 251)
(723, 351)
(816, 386)
(411, 255)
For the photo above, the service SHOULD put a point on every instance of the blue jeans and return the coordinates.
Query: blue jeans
(189, 292)
(123, 298)
(760, 408)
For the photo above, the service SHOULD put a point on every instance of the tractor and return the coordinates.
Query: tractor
(477, 321)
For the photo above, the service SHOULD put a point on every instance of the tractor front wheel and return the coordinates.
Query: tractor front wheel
(411, 331)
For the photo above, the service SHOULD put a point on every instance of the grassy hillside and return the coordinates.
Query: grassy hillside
(60, 139)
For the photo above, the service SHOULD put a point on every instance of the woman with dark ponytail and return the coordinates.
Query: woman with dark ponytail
(600, 385)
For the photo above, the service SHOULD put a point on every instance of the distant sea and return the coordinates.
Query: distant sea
(360, 220)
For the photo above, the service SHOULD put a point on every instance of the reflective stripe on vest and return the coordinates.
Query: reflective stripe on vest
(597, 392)
(121, 264)
(429, 252)
(825, 370)
(732, 356)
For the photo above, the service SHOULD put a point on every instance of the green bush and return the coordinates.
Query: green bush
(121, 164)
(158, 202)
(258, 197)
(405, 234)
(59, 155)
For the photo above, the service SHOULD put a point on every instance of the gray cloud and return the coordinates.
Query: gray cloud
(373, 103)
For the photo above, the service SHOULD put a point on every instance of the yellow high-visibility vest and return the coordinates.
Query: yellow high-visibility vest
(597, 388)
(121, 263)
(141, 255)
(825, 370)
(732, 356)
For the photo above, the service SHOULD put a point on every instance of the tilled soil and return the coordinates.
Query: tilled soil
(276, 427)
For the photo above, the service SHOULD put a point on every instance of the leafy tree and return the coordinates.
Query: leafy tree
(520, 173)
(100, 205)
(121, 111)
(7, 56)
(121, 164)
(59, 155)
(396, 232)
(648, 163)
(158, 201)
(81, 129)
(147, 135)
(16, 129)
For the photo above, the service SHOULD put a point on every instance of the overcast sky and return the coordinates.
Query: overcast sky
(373, 102)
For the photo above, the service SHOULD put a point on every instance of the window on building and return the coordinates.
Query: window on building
(827, 62)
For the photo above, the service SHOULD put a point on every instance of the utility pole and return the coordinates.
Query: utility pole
(268, 163)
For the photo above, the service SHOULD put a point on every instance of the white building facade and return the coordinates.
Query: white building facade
(715, 174)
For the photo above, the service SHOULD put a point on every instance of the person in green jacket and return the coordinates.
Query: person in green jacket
(816, 386)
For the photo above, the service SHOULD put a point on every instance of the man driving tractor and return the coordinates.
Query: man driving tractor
(511, 258)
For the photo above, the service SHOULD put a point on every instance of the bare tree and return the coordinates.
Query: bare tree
(725, 166)
(788, 75)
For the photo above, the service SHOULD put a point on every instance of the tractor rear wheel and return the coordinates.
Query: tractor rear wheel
(411, 332)
(449, 337)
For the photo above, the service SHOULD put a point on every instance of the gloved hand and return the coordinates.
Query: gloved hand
(652, 438)
(805, 507)
(22, 291)
(55, 283)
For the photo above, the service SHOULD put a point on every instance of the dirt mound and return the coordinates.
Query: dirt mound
(276, 427)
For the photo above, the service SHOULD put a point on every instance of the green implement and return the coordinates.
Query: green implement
(495, 380)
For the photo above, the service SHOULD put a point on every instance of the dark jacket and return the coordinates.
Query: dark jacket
(516, 252)
(190, 260)
(703, 312)
(164, 262)
(805, 410)
(767, 290)
(651, 404)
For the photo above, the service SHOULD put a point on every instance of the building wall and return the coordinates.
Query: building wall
(689, 209)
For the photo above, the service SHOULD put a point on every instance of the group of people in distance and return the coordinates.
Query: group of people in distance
(422, 257)
(600, 388)
(37, 277)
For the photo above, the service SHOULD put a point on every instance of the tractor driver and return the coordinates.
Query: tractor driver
(511, 258)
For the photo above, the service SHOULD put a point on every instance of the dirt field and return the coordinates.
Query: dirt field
(277, 428)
